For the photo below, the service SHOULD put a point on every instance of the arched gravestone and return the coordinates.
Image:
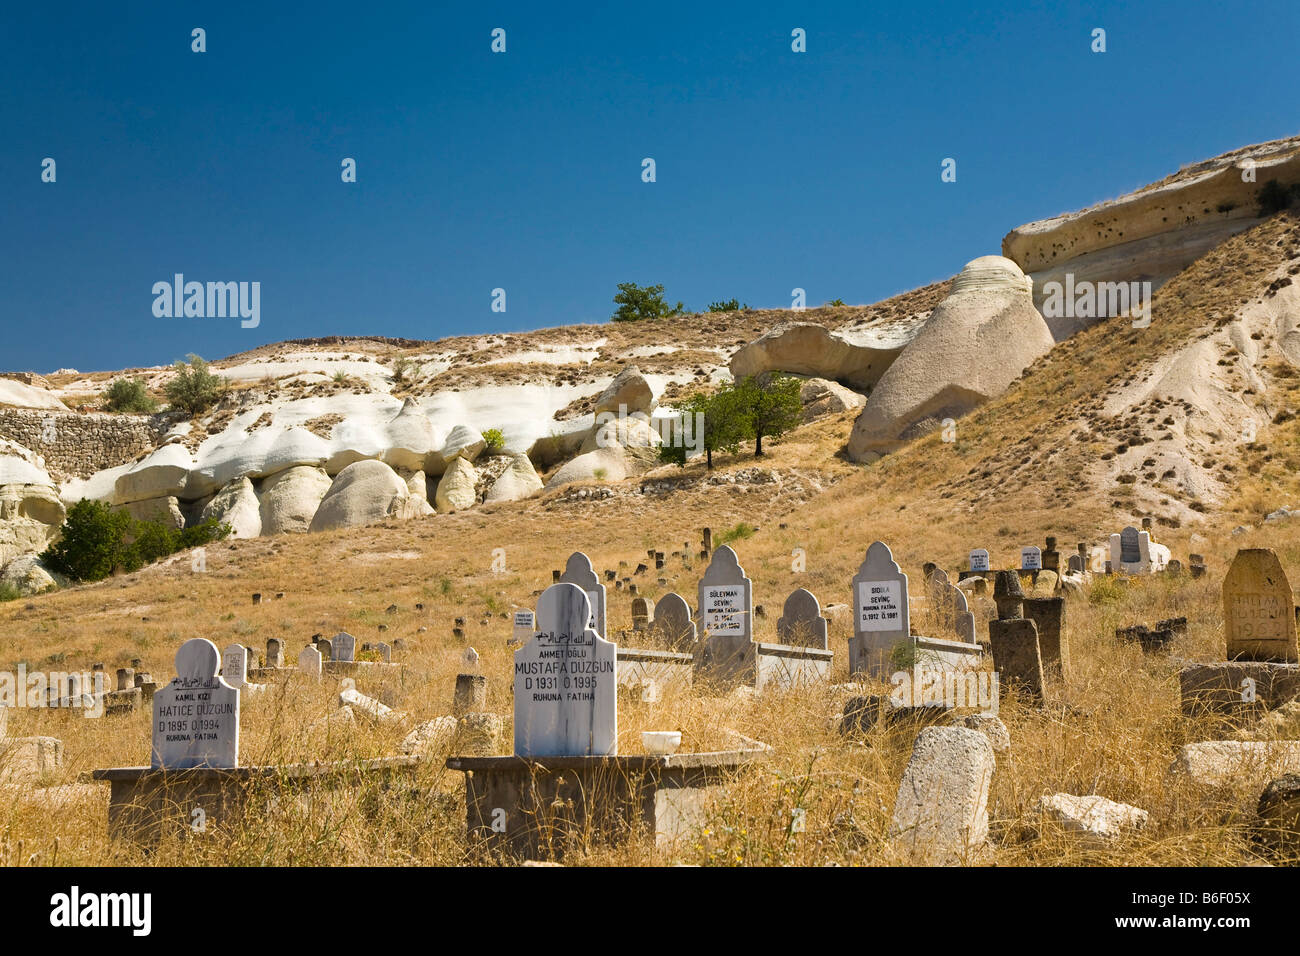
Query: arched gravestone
(343, 647)
(642, 611)
(578, 570)
(801, 622)
(196, 716)
(672, 623)
(1031, 558)
(566, 685)
(1258, 609)
(726, 617)
(880, 614)
(979, 560)
(234, 668)
(950, 608)
(309, 662)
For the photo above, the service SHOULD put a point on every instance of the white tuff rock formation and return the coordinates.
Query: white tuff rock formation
(977, 341)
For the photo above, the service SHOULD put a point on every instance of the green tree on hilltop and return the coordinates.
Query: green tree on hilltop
(635, 303)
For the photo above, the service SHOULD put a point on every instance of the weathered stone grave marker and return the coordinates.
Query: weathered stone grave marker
(951, 609)
(343, 647)
(801, 622)
(309, 662)
(650, 669)
(525, 626)
(1051, 557)
(234, 668)
(642, 610)
(1048, 615)
(1014, 640)
(672, 623)
(1258, 610)
(801, 657)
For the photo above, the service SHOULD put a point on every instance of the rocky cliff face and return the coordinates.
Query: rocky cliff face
(1152, 234)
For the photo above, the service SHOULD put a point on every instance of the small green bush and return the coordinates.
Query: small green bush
(129, 395)
(741, 530)
(495, 439)
(728, 305)
(8, 592)
(195, 388)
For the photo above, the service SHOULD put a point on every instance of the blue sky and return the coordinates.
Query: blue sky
(522, 170)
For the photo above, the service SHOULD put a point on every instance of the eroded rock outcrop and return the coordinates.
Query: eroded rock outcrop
(237, 505)
(976, 342)
(456, 489)
(857, 358)
(517, 482)
(30, 510)
(289, 500)
(630, 391)
(362, 493)
(1153, 233)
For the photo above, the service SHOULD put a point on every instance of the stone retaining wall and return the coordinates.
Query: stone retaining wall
(79, 444)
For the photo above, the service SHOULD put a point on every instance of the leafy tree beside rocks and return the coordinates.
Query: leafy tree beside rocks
(770, 405)
(766, 406)
(195, 388)
(712, 422)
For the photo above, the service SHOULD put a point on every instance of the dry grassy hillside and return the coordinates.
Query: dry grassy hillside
(1021, 468)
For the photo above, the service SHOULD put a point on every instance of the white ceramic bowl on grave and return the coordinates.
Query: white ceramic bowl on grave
(661, 742)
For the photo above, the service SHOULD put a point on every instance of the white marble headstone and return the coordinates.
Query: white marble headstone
(343, 647)
(234, 668)
(309, 662)
(726, 598)
(979, 559)
(578, 570)
(566, 682)
(881, 617)
(196, 716)
(1031, 558)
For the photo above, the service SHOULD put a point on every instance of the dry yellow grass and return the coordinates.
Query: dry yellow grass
(932, 501)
